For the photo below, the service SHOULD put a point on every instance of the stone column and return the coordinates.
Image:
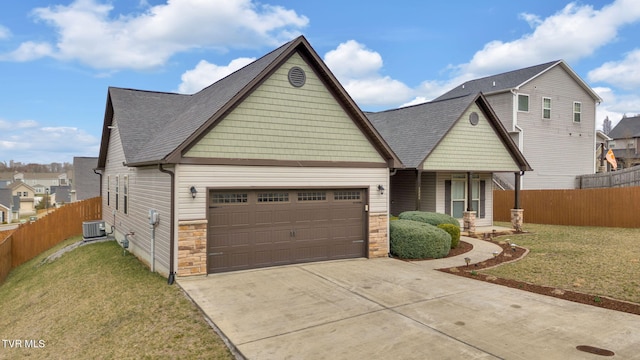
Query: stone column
(517, 218)
(192, 247)
(378, 235)
(469, 221)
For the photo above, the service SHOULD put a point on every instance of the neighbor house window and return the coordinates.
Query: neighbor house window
(117, 188)
(108, 188)
(125, 193)
(577, 111)
(523, 102)
(546, 108)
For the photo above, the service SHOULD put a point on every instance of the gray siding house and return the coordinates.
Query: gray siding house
(625, 138)
(274, 164)
(450, 149)
(6, 205)
(549, 112)
(86, 182)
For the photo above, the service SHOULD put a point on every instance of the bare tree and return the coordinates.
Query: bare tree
(606, 126)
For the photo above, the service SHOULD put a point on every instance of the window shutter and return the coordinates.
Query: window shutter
(482, 199)
(447, 197)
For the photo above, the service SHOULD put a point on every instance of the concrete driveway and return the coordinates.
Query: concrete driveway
(391, 309)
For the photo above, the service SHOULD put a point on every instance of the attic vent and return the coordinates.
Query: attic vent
(473, 118)
(297, 77)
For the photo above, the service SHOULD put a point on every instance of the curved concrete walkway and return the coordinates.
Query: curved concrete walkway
(482, 250)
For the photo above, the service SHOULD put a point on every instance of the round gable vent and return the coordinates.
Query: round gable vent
(473, 118)
(297, 77)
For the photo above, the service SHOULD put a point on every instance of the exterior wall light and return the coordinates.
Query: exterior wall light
(193, 192)
(381, 189)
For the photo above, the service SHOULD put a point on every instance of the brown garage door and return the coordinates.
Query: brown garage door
(256, 228)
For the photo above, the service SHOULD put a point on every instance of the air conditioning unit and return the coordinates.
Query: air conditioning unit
(93, 230)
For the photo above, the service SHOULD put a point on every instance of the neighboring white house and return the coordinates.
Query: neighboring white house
(549, 112)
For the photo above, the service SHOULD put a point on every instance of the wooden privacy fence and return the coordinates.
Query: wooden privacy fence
(610, 207)
(31, 239)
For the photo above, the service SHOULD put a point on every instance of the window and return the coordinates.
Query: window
(312, 196)
(108, 189)
(229, 198)
(457, 197)
(577, 111)
(273, 197)
(346, 195)
(117, 189)
(546, 108)
(125, 193)
(523, 102)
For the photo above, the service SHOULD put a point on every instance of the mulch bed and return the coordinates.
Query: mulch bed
(508, 255)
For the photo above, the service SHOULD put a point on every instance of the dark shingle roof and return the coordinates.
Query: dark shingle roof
(500, 82)
(6, 198)
(628, 127)
(414, 131)
(153, 124)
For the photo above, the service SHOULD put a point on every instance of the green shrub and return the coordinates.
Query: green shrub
(432, 218)
(454, 231)
(393, 218)
(417, 240)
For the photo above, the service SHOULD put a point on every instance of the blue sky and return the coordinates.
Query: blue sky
(57, 58)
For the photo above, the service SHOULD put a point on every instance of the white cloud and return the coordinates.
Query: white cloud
(615, 106)
(205, 74)
(570, 34)
(4, 33)
(28, 51)
(87, 33)
(358, 70)
(624, 73)
(26, 141)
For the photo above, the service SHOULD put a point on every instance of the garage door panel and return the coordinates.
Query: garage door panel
(267, 228)
(272, 236)
(311, 214)
(270, 215)
(312, 234)
(350, 213)
(239, 218)
(311, 253)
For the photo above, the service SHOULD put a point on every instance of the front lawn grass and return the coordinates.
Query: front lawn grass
(96, 303)
(593, 260)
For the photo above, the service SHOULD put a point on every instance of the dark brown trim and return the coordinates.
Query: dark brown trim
(304, 49)
(285, 163)
(106, 133)
(482, 102)
(329, 187)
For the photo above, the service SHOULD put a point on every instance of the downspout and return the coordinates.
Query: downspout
(99, 174)
(172, 274)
